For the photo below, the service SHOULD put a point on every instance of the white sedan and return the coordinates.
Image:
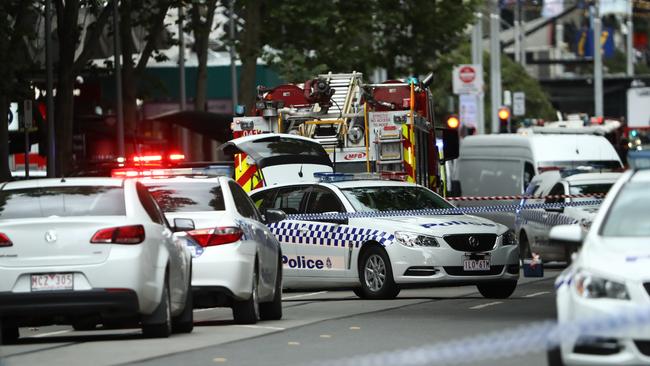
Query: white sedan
(237, 261)
(85, 251)
(610, 275)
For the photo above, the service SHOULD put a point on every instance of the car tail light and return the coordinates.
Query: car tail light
(216, 236)
(4, 241)
(133, 234)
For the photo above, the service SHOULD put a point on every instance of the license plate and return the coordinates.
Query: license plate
(476, 264)
(53, 282)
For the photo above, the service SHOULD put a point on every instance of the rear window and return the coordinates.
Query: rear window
(273, 146)
(194, 197)
(62, 201)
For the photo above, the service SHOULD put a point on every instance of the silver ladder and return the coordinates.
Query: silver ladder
(346, 92)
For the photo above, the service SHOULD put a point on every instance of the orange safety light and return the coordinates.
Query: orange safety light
(453, 121)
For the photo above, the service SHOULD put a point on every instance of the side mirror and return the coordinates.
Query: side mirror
(450, 144)
(566, 235)
(271, 216)
(183, 224)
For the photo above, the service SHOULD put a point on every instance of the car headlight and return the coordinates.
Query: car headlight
(415, 240)
(509, 238)
(591, 286)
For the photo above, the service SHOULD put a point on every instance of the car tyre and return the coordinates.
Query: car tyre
(497, 289)
(273, 310)
(184, 322)
(159, 323)
(9, 334)
(376, 275)
(248, 311)
(554, 357)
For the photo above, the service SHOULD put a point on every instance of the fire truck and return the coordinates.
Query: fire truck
(385, 128)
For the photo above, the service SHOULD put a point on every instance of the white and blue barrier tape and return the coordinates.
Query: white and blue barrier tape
(440, 211)
(526, 339)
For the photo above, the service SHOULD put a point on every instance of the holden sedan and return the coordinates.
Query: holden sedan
(85, 251)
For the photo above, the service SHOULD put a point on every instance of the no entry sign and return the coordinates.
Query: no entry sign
(467, 79)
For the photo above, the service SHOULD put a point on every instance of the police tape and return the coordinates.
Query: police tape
(527, 339)
(438, 211)
(524, 197)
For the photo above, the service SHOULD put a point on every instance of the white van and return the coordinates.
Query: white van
(504, 164)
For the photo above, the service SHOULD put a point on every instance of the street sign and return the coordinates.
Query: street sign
(519, 103)
(28, 114)
(467, 79)
(468, 106)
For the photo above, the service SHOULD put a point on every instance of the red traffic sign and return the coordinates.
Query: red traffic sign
(467, 74)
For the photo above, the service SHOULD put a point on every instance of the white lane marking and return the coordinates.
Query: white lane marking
(537, 294)
(304, 295)
(485, 305)
(260, 327)
(51, 333)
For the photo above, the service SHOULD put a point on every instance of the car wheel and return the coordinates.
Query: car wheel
(497, 289)
(248, 311)
(524, 247)
(84, 324)
(184, 322)
(376, 275)
(273, 310)
(159, 323)
(9, 334)
(554, 357)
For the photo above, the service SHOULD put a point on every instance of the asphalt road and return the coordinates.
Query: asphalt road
(317, 326)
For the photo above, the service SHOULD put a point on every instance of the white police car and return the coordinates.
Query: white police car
(610, 275)
(380, 255)
(533, 225)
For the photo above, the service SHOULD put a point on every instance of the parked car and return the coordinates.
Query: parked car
(85, 251)
(237, 262)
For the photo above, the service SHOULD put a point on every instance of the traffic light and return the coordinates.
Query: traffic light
(453, 121)
(504, 119)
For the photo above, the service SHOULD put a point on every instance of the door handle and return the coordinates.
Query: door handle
(304, 229)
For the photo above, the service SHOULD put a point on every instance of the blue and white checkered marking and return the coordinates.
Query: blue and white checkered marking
(327, 234)
(545, 218)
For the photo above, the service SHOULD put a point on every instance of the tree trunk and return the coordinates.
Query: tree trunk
(68, 32)
(129, 77)
(249, 51)
(5, 174)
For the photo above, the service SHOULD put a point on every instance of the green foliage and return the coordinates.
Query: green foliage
(513, 78)
(403, 36)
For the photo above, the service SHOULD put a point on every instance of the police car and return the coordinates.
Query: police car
(377, 256)
(610, 275)
(533, 225)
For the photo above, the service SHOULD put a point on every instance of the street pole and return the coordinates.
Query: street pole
(517, 32)
(185, 134)
(233, 66)
(495, 68)
(598, 63)
(477, 59)
(522, 33)
(630, 37)
(119, 114)
(49, 100)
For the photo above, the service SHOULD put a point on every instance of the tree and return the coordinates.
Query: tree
(70, 64)
(16, 62)
(202, 18)
(150, 16)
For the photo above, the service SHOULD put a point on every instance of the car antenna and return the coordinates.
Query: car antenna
(300, 172)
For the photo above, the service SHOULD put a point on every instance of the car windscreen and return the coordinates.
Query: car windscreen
(62, 201)
(187, 197)
(601, 188)
(629, 215)
(393, 198)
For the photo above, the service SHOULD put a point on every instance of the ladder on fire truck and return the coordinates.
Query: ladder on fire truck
(332, 128)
